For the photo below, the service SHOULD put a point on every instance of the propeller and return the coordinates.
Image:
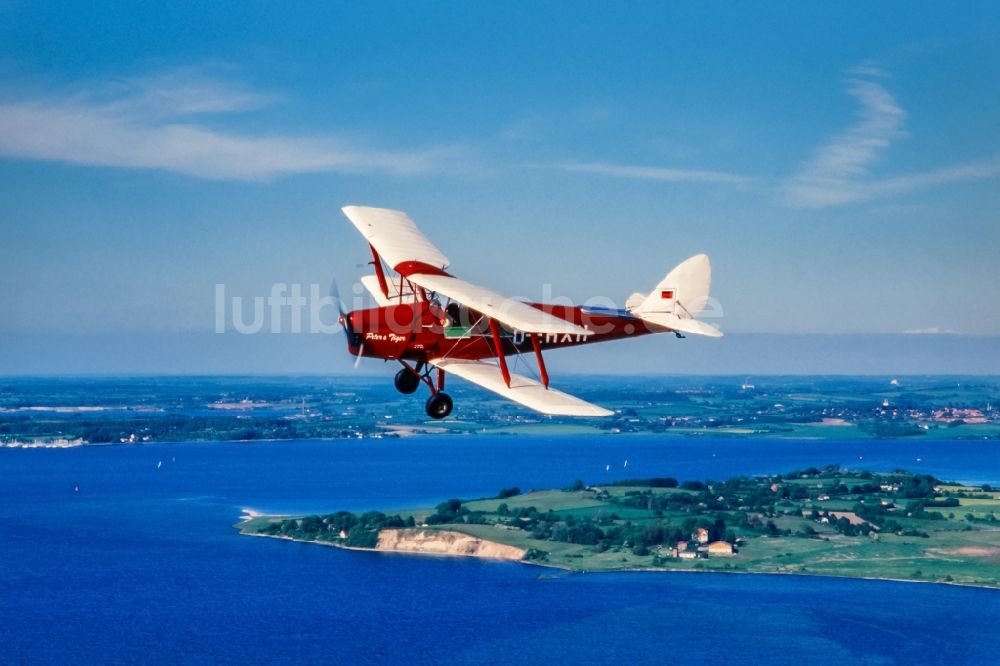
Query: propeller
(344, 319)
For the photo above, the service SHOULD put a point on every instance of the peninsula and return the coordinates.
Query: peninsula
(822, 521)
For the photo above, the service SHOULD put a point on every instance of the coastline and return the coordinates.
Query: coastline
(571, 571)
(545, 430)
(60, 443)
(405, 552)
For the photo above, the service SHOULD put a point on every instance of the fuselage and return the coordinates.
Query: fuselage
(423, 330)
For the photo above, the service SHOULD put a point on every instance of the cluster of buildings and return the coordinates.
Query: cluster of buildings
(699, 547)
(949, 414)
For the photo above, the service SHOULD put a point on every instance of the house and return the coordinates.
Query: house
(681, 551)
(701, 535)
(851, 517)
(720, 549)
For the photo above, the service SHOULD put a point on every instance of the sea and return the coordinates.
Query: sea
(127, 554)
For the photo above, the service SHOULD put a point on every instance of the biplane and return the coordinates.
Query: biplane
(435, 324)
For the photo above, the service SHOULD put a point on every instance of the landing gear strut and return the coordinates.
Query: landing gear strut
(439, 405)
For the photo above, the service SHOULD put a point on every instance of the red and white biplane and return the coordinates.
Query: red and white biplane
(432, 322)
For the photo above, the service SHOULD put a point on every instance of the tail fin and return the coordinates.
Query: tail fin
(678, 299)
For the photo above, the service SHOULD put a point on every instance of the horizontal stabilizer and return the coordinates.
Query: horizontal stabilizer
(683, 325)
(634, 301)
(523, 390)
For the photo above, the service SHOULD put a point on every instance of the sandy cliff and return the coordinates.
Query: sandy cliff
(438, 542)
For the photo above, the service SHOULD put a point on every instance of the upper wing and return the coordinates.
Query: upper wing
(523, 390)
(394, 235)
(396, 238)
(497, 306)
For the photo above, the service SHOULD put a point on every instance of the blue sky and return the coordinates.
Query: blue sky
(841, 165)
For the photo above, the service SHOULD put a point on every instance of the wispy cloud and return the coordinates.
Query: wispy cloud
(869, 70)
(832, 176)
(185, 91)
(933, 330)
(952, 174)
(164, 122)
(655, 173)
(838, 173)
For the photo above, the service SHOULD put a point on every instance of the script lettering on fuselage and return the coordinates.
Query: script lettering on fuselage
(384, 337)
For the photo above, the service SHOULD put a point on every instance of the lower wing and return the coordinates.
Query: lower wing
(523, 390)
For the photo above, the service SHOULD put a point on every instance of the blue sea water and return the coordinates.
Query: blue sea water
(142, 565)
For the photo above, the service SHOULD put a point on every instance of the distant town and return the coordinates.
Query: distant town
(82, 411)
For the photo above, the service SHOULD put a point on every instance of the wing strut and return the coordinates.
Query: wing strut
(380, 274)
(538, 357)
(498, 348)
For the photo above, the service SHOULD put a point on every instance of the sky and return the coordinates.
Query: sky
(840, 164)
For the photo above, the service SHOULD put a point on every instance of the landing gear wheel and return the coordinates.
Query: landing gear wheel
(439, 405)
(406, 381)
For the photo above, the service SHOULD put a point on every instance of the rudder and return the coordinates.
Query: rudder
(679, 298)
